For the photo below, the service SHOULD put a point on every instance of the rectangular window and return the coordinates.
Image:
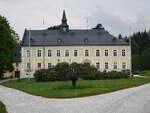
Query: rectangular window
(67, 53)
(123, 52)
(28, 53)
(86, 52)
(39, 53)
(49, 65)
(123, 65)
(106, 52)
(28, 66)
(75, 52)
(114, 52)
(17, 64)
(115, 65)
(58, 53)
(39, 65)
(106, 65)
(97, 65)
(97, 53)
(49, 53)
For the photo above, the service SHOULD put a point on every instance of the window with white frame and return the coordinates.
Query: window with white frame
(28, 66)
(106, 52)
(49, 65)
(28, 53)
(114, 52)
(58, 53)
(97, 65)
(67, 53)
(17, 64)
(86, 53)
(115, 65)
(106, 65)
(39, 65)
(123, 65)
(97, 53)
(49, 53)
(75, 53)
(39, 53)
(123, 52)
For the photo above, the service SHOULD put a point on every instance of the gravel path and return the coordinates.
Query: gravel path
(132, 100)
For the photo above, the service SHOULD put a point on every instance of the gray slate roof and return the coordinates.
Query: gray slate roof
(17, 56)
(70, 38)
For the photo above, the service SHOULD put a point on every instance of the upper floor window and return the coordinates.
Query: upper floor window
(115, 65)
(28, 53)
(114, 52)
(106, 52)
(97, 65)
(39, 53)
(17, 64)
(75, 52)
(49, 53)
(123, 52)
(49, 65)
(28, 66)
(123, 65)
(106, 65)
(86, 52)
(97, 53)
(67, 53)
(58, 52)
(39, 65)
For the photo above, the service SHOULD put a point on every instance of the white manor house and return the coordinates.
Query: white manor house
(42, 49)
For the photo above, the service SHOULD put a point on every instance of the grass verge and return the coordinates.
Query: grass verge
(83, 88)
(2, 108)
(145, 73)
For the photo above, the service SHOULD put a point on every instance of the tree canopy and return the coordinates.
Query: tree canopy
(140, 50)
(8, 43)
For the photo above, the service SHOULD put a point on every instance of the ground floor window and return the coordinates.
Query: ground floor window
(49, 65)
(115, 65)
(123, 65)
(97, 65)
(106, 65)
(28, 66)
(39, 65)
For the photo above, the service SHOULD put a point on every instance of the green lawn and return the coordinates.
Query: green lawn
(83, 88)
(145, 73)
(2, 108)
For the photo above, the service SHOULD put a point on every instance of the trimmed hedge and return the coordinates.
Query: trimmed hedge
(74, 71)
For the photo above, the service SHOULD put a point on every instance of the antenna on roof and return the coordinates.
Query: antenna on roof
(43, 22)
(87, 22)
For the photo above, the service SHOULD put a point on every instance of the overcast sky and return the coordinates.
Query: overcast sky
(117, 16)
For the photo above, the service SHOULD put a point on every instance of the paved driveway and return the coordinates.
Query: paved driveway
(133, 100)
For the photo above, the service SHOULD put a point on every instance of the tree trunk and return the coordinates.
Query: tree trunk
(73, 83)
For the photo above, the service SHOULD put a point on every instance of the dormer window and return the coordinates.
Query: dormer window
(59, 41)
(85, 40)
(64, 29)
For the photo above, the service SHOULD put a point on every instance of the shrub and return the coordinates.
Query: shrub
(87, 71)
(74, 71)
(62, 71)
(41, 75)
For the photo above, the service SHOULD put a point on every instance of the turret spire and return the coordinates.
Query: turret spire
(64, 24)
(64, 19)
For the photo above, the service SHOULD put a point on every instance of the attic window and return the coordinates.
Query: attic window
(85, 40)
(31, 39)
(98, 33)
(59, 41)
(114, 39)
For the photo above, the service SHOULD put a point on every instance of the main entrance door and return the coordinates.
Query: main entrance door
(17, 74)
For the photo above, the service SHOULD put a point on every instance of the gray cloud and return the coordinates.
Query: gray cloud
(116, 15)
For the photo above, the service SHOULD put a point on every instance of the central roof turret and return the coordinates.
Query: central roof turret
(64, 26)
